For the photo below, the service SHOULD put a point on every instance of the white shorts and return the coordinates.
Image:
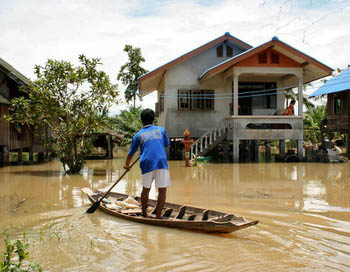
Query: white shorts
(160, 176)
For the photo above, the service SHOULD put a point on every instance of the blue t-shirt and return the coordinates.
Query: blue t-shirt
(152, 141)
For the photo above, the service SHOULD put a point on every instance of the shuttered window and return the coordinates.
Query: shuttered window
(263, 58)
(229, 51)
(196, 100)
(220, 51)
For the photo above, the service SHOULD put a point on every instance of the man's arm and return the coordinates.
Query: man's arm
(127, 162)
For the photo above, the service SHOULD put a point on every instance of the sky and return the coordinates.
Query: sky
(33, 31)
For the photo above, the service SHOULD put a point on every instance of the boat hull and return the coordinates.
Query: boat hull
(211, 224)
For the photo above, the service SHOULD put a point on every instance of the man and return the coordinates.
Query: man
(152, 141)
(290, 109)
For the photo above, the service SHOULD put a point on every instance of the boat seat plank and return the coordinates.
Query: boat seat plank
(181, 212)
(167, 212)
(225, 218)
(191, 217)
(130, 211)
(205, 215)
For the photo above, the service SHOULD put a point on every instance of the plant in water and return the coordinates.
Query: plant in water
(15, 255)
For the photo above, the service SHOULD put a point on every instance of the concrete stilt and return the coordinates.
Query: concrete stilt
(267, 151)
(282, 147)
(235, 150)
(300, 150)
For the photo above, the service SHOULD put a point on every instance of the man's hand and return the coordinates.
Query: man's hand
(127, 167)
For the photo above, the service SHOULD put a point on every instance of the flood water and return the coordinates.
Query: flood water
(303, 209)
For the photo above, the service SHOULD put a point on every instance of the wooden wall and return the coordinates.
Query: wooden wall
(4, 126)
(338, 121)
(12, 136)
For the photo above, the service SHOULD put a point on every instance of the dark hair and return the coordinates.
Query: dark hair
(292, 101)
(147, 117)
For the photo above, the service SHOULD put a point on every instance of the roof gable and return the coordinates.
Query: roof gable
(12, 73)
(283, 61)
(289, 53)
(157, 73)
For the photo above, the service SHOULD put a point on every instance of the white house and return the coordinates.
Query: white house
(227, 89)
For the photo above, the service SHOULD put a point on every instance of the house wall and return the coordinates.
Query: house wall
(185, 76)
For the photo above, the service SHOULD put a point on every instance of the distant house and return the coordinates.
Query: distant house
(338, 104)
(228, 91)
(13, 137)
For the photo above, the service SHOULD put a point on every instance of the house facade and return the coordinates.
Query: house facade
(13, 137)
(228, 90)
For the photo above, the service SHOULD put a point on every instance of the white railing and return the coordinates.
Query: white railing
(207, 139)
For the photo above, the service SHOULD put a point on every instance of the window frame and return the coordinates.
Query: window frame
(198, 99)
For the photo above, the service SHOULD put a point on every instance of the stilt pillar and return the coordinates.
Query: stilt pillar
(348, 145)
(282, 147)
(31, 157)
(300, 150)
(235, 150)
(267, 151)
(20, 156)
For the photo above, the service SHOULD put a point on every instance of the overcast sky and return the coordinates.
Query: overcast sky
(34, 30)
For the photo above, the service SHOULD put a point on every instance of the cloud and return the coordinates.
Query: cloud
(33, 31)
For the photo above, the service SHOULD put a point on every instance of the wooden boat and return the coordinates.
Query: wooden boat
(174, 215)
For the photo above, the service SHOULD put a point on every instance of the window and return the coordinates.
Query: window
(184, 99)
(263, 58)
(337, 105)
(161, 103)
(220, 51)
(275, 58)
(229, 51)
(196, 100)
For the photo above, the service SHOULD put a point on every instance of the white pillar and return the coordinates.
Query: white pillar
(235, 150)
(300, 95)
(235, 95)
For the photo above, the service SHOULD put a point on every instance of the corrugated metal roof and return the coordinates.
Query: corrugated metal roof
(337, 84)
(3, 100)
(13, 73)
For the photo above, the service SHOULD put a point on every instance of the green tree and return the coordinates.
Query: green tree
(312, 123)
(127, 123)
(71, 102)
(130, 72)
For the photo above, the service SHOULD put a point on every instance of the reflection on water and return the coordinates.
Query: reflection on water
(304, 213)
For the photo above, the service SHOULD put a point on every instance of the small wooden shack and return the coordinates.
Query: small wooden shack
(13, 137)
(338, 105)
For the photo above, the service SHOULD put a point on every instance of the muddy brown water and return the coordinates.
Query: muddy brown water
(303, 209)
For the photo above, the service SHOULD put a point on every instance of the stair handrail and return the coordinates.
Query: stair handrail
(210, 135)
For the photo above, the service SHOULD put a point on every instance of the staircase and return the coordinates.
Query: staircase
(209, 140)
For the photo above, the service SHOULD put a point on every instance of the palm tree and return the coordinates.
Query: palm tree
(312, 123)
